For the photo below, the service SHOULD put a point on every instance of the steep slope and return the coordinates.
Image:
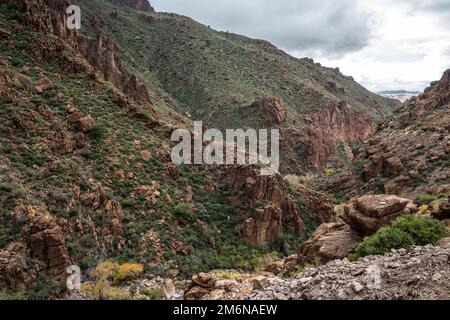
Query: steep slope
(217, 76)
(410, 153)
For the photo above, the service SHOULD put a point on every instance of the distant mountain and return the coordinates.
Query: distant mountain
(401, 95)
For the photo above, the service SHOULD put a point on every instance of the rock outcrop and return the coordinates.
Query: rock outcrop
(271, 110)
(362, 216)
(266, 223)
(331, 131)
(43, 249)
(369, 213)
(330, 241)
(49, 16)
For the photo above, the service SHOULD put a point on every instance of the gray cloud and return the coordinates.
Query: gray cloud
(328, 27)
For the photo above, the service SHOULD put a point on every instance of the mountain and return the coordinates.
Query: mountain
(86, 177)
(401, 95)
(229, 81)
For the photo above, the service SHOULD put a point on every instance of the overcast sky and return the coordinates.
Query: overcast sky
(383, 44)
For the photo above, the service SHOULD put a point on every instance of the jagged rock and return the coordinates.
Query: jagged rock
(272, 109)
(330, 241)
(266, 226)
(43, 249)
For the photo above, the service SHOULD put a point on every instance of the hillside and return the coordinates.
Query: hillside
(86, 176)
(408, 155)
(217, 76)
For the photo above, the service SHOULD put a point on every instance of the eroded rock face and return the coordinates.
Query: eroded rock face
(102, 53)
(332, 130)
(43, 249)
(272, 110)
(266, 224)
(44, 237)
(49, 16)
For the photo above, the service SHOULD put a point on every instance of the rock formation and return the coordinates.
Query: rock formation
(102, 52)
(362, 216)
(414, 273)
(266, 223)
(271, 111)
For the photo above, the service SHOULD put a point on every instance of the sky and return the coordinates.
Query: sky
(383, 44)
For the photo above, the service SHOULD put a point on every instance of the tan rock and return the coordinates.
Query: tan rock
(146, 155)
(330, 241)
(43, 84)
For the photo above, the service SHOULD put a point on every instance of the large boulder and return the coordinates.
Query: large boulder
(330, 241)
(369, 213)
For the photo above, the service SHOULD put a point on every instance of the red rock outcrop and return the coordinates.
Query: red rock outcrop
(266, 223)
(271, 110)
(369, 213)
(409, 154)
(49, 16)
(43, 249)
(330, 132)
(330, 241)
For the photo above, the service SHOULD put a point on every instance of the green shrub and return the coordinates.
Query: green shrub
(423, 230)
(154, 294)
(11, 296)
(98, 132)
(405, 231)
(184, 211)
(46, 289)
(424, 199)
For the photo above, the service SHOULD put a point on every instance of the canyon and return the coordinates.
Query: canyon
(86, 176)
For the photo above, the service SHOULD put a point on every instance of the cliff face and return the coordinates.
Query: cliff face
(333, 129)
(410, 153)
